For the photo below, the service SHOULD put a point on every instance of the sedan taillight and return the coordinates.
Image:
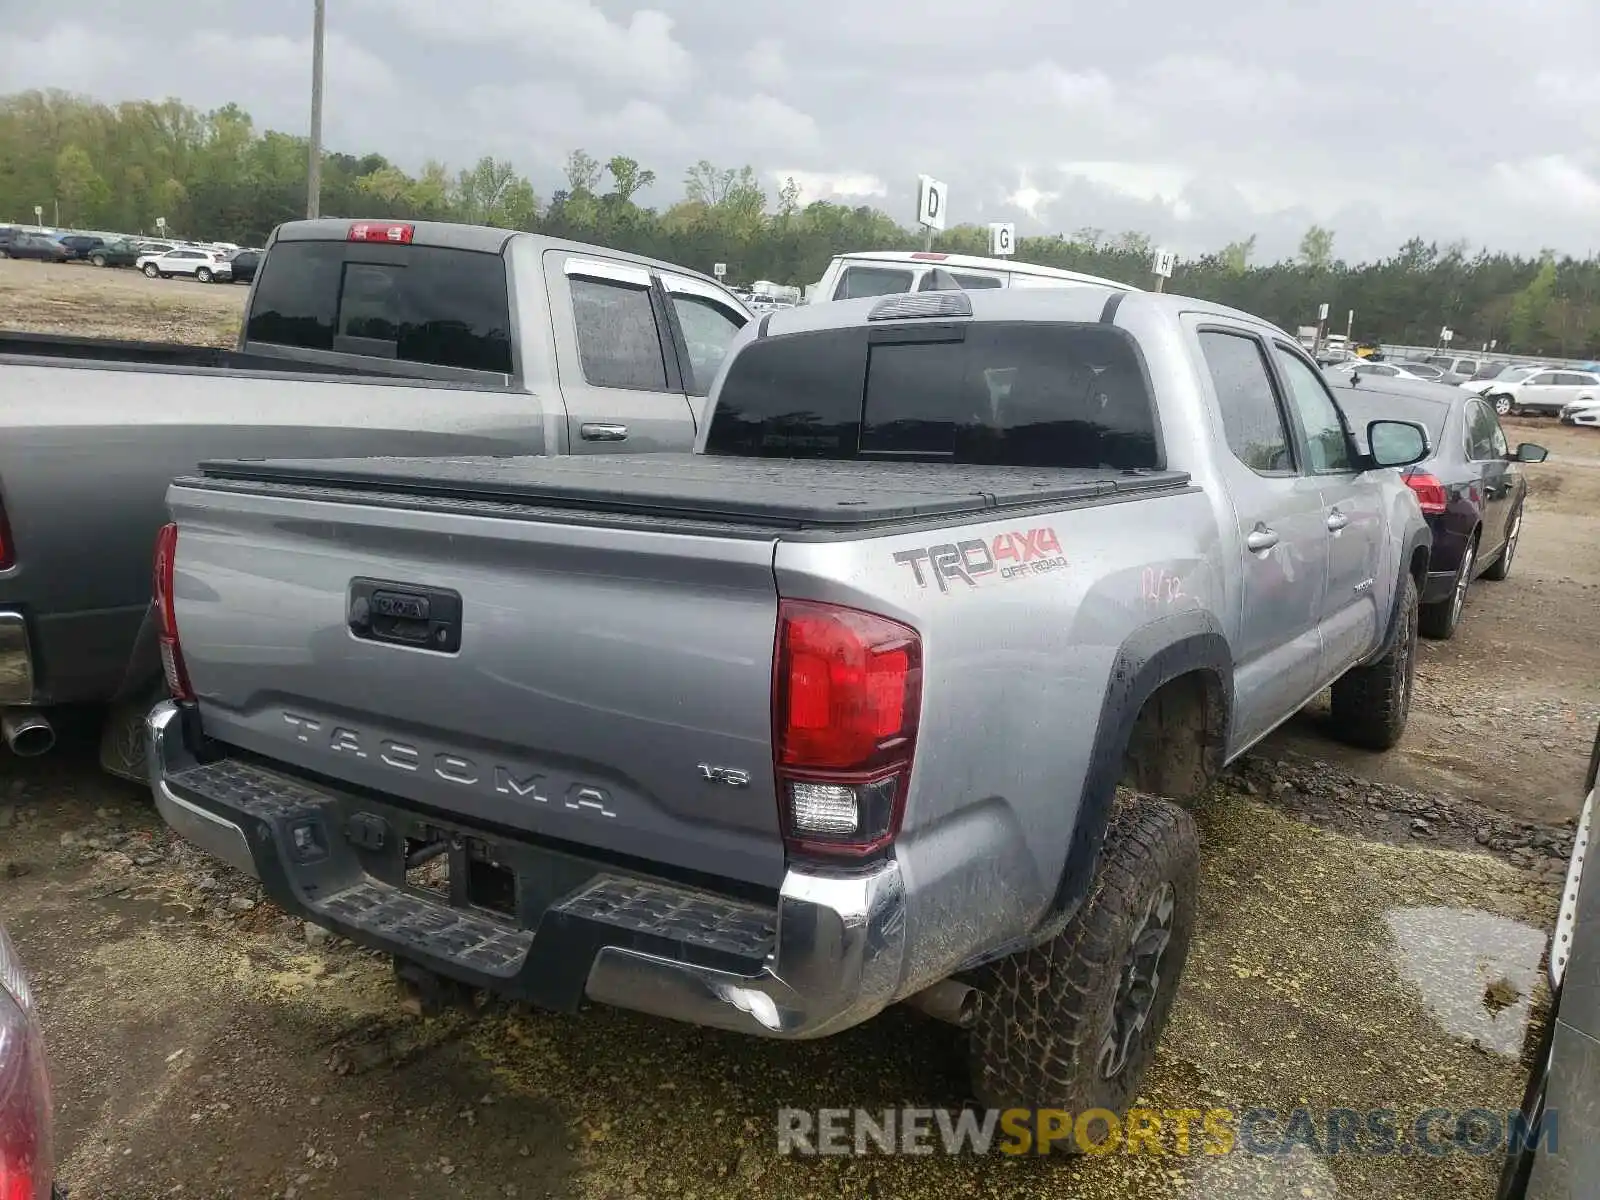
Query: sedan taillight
(26, 1164)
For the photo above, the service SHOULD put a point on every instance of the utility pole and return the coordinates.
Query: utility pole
(314, 163)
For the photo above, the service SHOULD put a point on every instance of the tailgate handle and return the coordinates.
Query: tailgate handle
(405, 614)
(593, 431)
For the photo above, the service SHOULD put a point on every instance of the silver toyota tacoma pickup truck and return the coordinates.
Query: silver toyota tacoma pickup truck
(828, 715)
(360, 337)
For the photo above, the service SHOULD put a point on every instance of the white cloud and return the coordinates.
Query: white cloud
(1551, 181)
(639, 53)
(765, 63)
(851, 186)
(1254, 120)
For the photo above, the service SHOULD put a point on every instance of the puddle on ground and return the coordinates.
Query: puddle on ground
(1476, 971)
(1298, 1175)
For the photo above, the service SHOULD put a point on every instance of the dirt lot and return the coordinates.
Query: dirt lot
(117, 302)
(1370, 934)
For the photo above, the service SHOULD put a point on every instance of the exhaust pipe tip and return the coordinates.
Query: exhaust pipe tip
(954, 1003)
(27, 733)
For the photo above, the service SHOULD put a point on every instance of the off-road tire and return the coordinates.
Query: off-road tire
(1371, 703)
(1044, 1015)
(1502, 565)
(1439, 621)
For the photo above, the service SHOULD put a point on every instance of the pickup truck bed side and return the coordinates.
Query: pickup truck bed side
(829, 714)
(500, 343)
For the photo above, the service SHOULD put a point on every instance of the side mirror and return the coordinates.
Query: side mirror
(1396, 443)
(1529, 453)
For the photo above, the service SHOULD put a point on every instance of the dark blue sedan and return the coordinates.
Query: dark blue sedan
(1471, 488)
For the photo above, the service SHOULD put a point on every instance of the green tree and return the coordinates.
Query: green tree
(1316, 248)
(628, 177)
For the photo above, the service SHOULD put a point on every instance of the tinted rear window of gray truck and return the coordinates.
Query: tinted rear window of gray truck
(423, 304)
(1005, 394)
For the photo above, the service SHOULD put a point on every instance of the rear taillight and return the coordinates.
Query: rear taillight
(1430, 492)
(847, 697)
(161, 591)
(26, 1166)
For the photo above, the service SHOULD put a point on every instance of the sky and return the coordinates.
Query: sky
(1196, 124)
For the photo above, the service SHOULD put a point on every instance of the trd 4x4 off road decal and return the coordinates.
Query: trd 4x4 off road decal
(1018, 555)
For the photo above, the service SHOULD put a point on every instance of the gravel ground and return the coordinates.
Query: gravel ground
(1370, 936)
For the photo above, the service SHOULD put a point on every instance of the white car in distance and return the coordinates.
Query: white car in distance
(207, 266)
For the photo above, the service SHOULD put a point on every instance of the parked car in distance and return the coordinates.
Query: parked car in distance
(1582, 412)
(892, 272)
(1507, 374)
(27, 1162)
(1564, 1082)
(1545, 391)
(1455, 370)
(243, 264)
(361, 337)
(101, 251)
(762, 687)
(1470, 487)
(35, 246)
(1381, 370)
(206, 266)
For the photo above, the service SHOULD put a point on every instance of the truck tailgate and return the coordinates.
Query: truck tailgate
(571, 681)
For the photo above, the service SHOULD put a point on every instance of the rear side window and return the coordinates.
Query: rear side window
(1002, 394)
(857, 282)
(1251, 417)
(422, 304)
(619, 342)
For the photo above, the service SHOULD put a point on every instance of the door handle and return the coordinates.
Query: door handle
(596, 432)
(1261, 539)
(1337, 521)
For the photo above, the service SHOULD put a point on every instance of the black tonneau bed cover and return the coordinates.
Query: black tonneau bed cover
(788, 493)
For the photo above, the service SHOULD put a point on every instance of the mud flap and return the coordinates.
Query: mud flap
(122, 739)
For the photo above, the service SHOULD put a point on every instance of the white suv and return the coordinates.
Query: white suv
(1545, 391)
(204, 265)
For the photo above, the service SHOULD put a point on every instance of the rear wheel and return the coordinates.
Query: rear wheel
(203, 274)
(1440, 621)
(151, 270)
(1502, 565)
(1371, 703)
(1073, 1023)
(98, 260)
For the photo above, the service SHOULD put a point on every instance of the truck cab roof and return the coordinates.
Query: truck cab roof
(451, 235)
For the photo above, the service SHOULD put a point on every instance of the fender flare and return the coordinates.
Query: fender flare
(1420, 539)
(1151, 656)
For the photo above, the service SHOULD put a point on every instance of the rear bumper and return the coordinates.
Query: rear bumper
(16, 660)
(562, 928)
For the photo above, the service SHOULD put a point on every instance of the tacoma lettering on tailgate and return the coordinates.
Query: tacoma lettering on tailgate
(499, 778)
(1017, 555)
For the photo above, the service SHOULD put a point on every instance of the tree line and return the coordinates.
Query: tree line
(213, 175)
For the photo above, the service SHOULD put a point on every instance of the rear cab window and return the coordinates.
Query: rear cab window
(436, 305)
(858, 282)
(998, 394)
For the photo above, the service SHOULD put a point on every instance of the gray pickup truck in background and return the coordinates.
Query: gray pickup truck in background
(828, 715)
(360, 338)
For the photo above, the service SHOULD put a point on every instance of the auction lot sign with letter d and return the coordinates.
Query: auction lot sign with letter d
(931, 197)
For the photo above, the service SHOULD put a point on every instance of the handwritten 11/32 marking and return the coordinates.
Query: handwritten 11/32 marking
(1158, 585)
